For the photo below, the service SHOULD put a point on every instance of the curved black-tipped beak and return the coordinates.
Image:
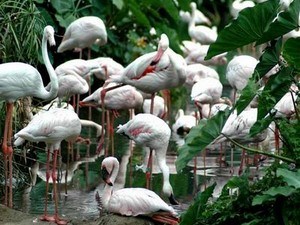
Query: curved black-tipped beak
(172, 200)
(106, 176)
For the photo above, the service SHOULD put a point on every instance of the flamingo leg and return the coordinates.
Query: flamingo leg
(46, 217)
(149, 169)
(54, 177)
(242, 162)
(7, 153)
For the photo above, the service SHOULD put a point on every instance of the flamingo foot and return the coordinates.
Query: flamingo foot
(7, 150)
(47, 218)
(86, 141)
(60, 221)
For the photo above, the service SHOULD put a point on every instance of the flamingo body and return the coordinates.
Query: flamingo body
(129, 201)
(82, 33)
(168, 72)
(150, 131)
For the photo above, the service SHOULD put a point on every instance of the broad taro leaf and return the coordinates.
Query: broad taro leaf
(269, 58)
(285, 22)
(261, 125)
(272, 193)
(290, 177)
(62, 6)
(291, 52)
(139, 16)
(200, 137)
(194, 211)
(276, 87)
(247, 94)
(247, 28)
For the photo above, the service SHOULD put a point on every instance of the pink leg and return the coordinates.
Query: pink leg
(242, 162)
(57, 219)
(7, 154)
(46, 217)
(149, 170)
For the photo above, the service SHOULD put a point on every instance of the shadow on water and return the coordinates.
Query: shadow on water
(84, 178)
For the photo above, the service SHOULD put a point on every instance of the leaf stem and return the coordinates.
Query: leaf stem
(261, 152)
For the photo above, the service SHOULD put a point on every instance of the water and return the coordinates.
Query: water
(85, 177)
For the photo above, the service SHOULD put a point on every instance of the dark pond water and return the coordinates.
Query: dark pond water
(85, 181)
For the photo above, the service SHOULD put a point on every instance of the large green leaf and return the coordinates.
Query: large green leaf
(291, 52)
(290, 177)
(171, 9)
(62, 6)
(139, 16)
(276, 87)
(284, 23)
(200, 137)
(118, 3)
(197, 207)
(272, 193)
(267, 61)
(247, 28)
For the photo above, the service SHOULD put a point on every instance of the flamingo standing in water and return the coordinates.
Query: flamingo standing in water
(19, 80)
(150, 131)
(82, 33)
(52, 127)
(133, 201)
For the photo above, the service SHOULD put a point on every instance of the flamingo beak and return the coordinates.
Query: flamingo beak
(106, 176)
(172, 200)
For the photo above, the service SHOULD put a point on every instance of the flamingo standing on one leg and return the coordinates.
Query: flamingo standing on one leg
(133, 201)
(19, 80)
(151, 131)
(52, 127)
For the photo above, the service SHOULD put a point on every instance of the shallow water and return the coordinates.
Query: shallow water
(85, 178)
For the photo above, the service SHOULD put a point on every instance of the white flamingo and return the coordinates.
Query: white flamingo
(133, 201)
(239, 5)
(52, 127)
(82, 33)
(238, 72)
(159, 109)
(19, 80)
(150, 131)
(201, 33)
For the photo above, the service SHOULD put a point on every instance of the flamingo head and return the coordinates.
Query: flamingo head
(193, 6)
(49, 34)
(107, 167)
(163, 42)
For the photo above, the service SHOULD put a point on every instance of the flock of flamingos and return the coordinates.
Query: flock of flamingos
(131, 87)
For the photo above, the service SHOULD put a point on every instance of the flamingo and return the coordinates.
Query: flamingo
(52, 127)
(133, 201)
(105, 67)
(239, 5)
(159, 106)
(196, 53)
(150, 131)
(238, 72)
(200, 33)
(19, 80)
(82, 33)
(182, 126)
(207, 91)
(155, 71)
(124, 97)
(194, 72)
(200, 18)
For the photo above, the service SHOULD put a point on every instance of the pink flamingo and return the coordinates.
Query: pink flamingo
(150, 131)
(52, 127)
(19, 80)
(133, 201)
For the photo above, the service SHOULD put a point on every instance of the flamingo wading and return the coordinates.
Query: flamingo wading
(19, 80)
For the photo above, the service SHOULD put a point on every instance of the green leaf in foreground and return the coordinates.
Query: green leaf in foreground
(291, 52)
(200, 137)
(198, 206)
(247, 28)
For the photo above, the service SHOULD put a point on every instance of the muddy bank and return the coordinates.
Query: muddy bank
(13, 217)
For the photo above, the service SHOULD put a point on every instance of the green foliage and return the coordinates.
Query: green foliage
(21, 26)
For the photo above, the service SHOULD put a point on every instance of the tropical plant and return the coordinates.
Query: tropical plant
(275, 198)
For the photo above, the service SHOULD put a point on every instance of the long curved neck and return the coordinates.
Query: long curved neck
(53, 78)
(192, 20)
(108, 190)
